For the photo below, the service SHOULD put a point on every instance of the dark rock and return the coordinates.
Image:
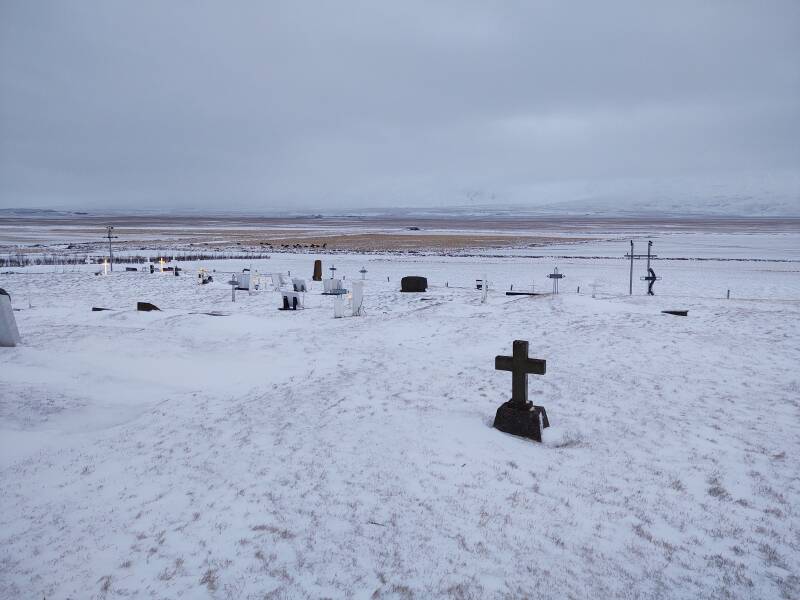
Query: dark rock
(146, 306)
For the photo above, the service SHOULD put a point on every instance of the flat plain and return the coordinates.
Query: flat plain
(281, 454)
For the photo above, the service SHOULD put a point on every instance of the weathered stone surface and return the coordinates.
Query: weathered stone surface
(526, 421)
(413, 283)
(518, 416)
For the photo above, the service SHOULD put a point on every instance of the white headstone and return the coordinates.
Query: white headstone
(331, 285)
(299, 284)
(358, 298)
(9, 334)
(244, 280)
(338, 307)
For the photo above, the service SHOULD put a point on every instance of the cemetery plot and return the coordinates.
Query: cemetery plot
(294, 454)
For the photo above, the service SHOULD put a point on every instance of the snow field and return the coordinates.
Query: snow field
(279, 454)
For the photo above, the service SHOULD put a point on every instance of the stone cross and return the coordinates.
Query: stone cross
(520, 366)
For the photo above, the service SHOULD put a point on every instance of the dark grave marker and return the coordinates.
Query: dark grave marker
(679, 313)
(519, 416)
(317, 271)
(290, 301)
(650, 278)
(146, 306)
(99, 308)
(413, 283)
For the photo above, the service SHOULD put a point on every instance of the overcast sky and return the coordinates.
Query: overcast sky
(264, 105)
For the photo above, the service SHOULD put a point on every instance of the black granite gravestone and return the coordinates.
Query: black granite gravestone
(413, 284)
(518, 416)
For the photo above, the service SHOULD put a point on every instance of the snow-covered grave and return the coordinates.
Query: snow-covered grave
(243, 280)
(290, 300)
(170, 454)
(333, 286)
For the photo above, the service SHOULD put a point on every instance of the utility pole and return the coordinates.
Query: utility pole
(630, 280)
(633, 256)
(109, 231)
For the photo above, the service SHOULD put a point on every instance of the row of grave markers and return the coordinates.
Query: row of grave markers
(335, 287)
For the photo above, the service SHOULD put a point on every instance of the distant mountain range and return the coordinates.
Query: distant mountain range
(735, 196)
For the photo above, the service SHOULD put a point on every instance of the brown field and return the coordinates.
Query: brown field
(347, 233)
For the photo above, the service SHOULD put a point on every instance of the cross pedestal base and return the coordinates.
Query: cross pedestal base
(523, 421)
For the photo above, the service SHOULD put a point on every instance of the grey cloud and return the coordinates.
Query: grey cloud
(260, 104)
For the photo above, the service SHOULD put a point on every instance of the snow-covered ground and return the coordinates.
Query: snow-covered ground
(294, 455)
